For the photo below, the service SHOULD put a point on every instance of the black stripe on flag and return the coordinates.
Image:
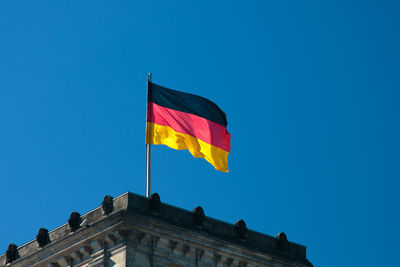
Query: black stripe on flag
(185, 102)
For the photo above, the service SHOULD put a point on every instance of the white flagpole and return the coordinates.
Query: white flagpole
(148, 150)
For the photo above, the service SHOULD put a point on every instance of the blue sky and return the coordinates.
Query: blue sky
(310, 89)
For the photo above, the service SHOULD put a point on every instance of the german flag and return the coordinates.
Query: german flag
(185, 121)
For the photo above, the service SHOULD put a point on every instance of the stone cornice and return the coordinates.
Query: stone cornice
(155, 225)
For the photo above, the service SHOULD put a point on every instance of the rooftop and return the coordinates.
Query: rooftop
(153, 209)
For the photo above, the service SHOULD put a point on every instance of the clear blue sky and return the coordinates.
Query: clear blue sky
(310, 88)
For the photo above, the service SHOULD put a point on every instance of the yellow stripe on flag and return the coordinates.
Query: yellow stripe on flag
(165, 135)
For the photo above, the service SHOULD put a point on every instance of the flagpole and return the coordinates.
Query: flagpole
(148, 150)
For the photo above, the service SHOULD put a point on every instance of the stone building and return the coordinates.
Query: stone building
(132, 230)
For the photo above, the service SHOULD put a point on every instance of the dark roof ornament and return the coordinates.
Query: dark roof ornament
(74, 221)
(155, 202)
(43, 237)
(11, 253)
(198, 215)
(283, 243)
(281, 236)
(108, 205)
(240, 229)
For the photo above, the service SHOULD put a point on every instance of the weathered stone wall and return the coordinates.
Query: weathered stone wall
(144, 232)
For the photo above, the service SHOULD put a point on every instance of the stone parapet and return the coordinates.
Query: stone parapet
(145, 232)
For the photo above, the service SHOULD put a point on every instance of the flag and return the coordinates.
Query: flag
(186, 121)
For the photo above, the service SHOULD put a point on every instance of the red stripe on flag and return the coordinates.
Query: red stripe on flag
(182, 122)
